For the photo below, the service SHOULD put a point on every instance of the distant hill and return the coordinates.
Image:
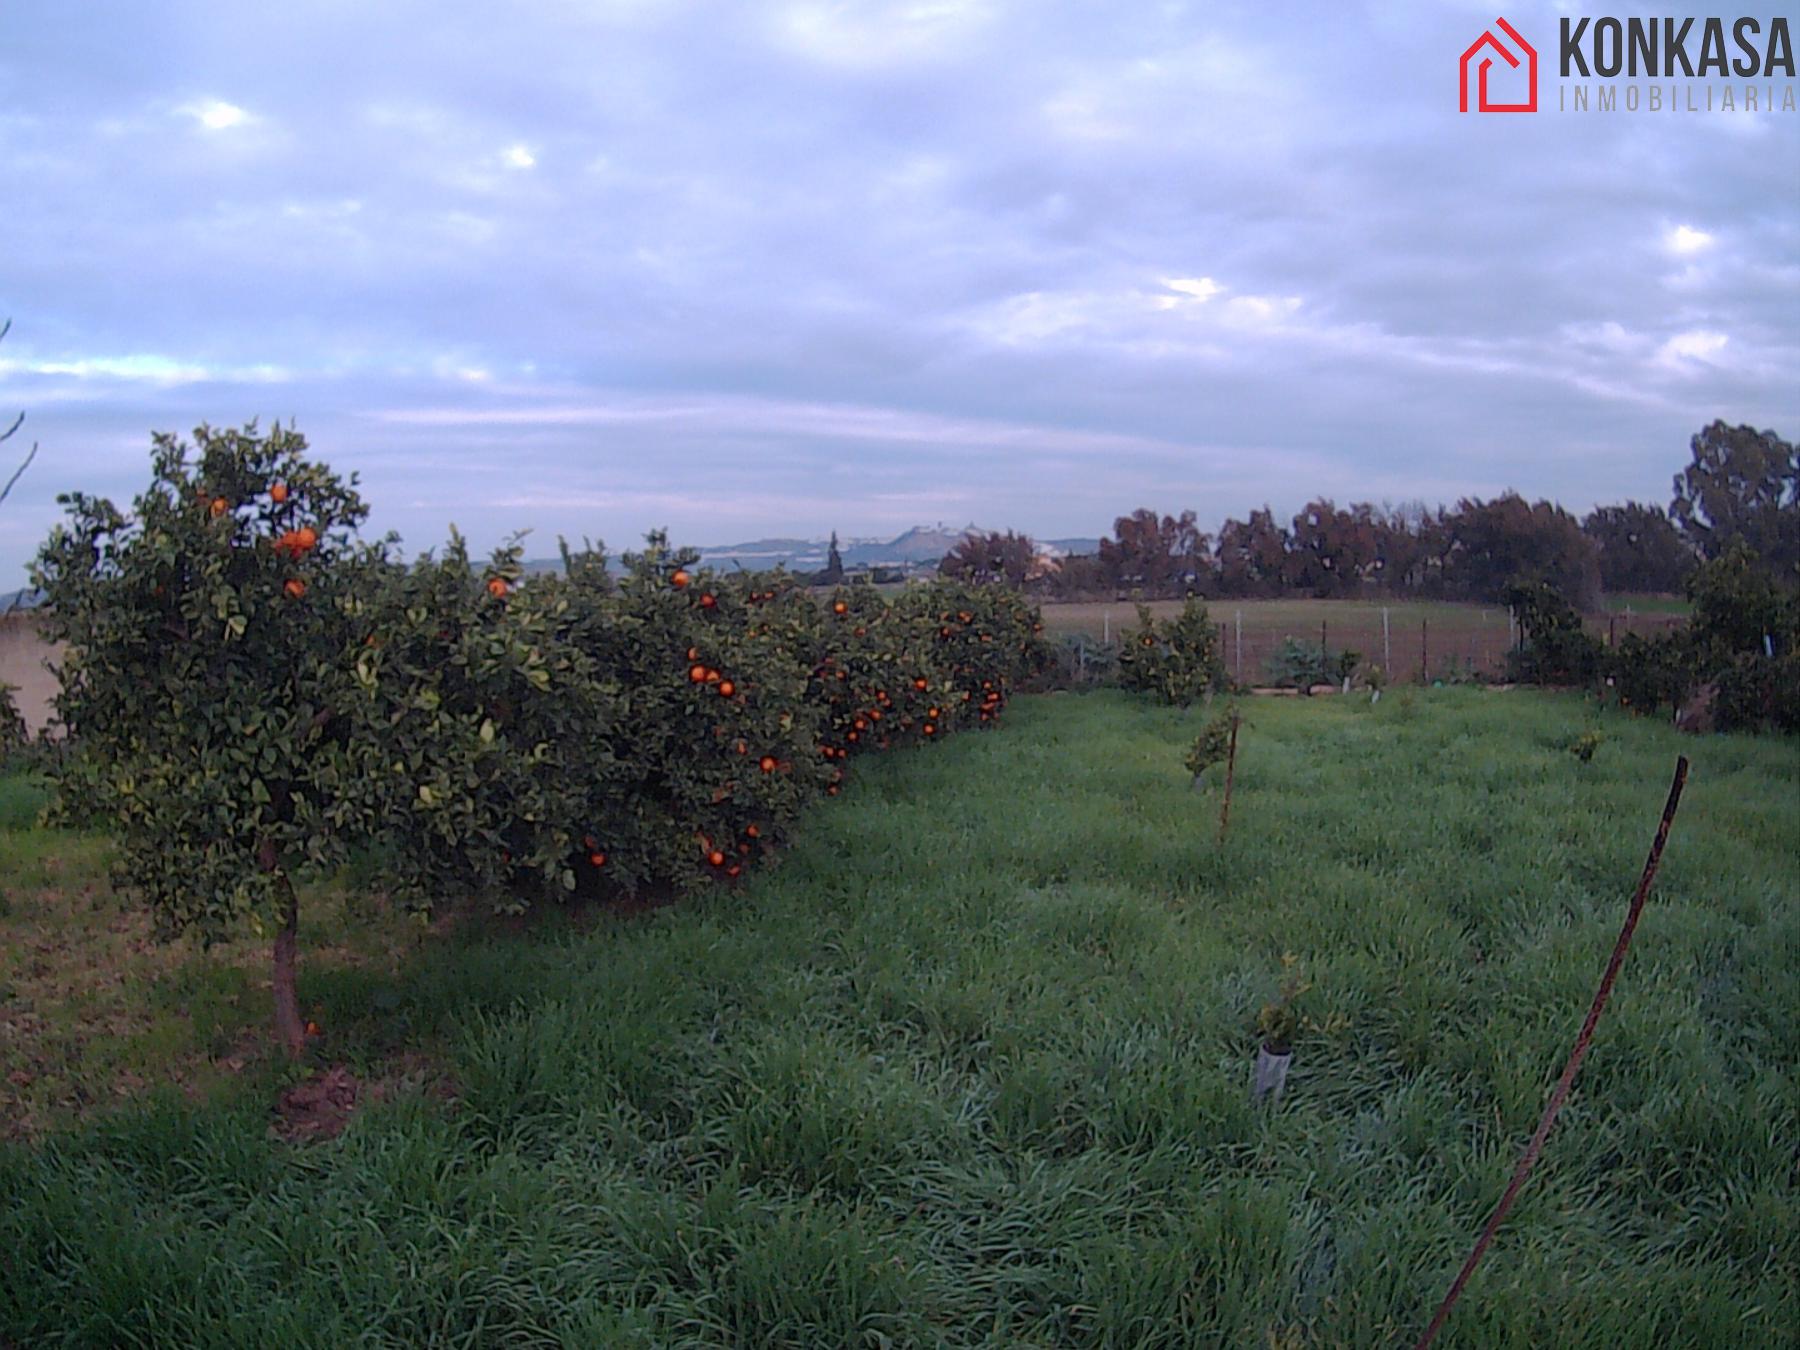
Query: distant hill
(916, 548)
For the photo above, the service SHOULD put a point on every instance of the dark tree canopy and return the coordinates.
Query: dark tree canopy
(1743, 486)
(1508, 539)
(1156, 553)
(834, 565)
(1252, 555)
(1333, 551)
(990, 556)
(1640, 548)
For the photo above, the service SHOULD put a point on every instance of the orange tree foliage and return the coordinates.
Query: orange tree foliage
(249, 691)
(1178, 659)
(204, 686)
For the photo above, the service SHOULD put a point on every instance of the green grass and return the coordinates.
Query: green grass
(971, 1068)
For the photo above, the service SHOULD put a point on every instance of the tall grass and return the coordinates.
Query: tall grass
(972, 1068)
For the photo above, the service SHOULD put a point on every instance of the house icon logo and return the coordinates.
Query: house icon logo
(1510, 48)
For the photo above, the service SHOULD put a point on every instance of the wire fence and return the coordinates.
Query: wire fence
(1472, 644)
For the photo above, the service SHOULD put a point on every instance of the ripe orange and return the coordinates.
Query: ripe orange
(306, 538)
(726, 689)
(716, 858)
(930, 730)
(752, 831)
(707, 602)
(734, 871)
(312, 1028)
(219, 507)
(921, 684)
(295, 588)
(767, 765)
(697, 674)
(497, 587)
(840, 608)
(680, 578)
(598, 859)
(693, 653)
(278, 493)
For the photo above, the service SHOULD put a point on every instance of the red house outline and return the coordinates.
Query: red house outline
(1487, 39)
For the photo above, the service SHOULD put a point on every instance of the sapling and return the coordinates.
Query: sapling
(1212, 745)
(1276, 1023)
(1584, 745)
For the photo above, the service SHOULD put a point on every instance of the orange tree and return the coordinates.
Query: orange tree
(481, 734)
(713, 739)
(1178, 660)
(204, 687)
(876, 673)
(987, 640)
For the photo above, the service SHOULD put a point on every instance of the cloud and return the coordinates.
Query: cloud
(1685, 239)
(1696, 345)
(841, 261)
(1200, 289)
(138, 368)
(216, 114)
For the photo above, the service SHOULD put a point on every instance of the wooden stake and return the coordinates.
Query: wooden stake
(1586, 1036)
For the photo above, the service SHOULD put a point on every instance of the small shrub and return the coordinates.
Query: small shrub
(1747, 693)
(1213, 744)
(1078, 660)
(1584, 745)
(15, 738)
(1556, 649)
(1178, 660)
(1647, 674)
(1299, 664)
(1279, 1018)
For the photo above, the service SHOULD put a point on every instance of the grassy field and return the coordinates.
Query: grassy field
(1303, 617)
(971, 1067)
(1299, 617)
(1448, 642)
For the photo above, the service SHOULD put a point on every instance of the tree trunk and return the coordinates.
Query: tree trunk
(289, 1029)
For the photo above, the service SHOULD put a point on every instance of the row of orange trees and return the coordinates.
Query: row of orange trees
(252, 692)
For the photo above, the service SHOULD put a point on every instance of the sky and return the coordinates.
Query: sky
(589, 267)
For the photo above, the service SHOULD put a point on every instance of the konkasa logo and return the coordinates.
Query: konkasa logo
(1509, 47)
(1636, 64)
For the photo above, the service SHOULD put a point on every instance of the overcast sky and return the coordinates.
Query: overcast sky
(744, 268)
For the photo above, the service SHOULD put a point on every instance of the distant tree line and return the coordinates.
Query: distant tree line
(1742, 488)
